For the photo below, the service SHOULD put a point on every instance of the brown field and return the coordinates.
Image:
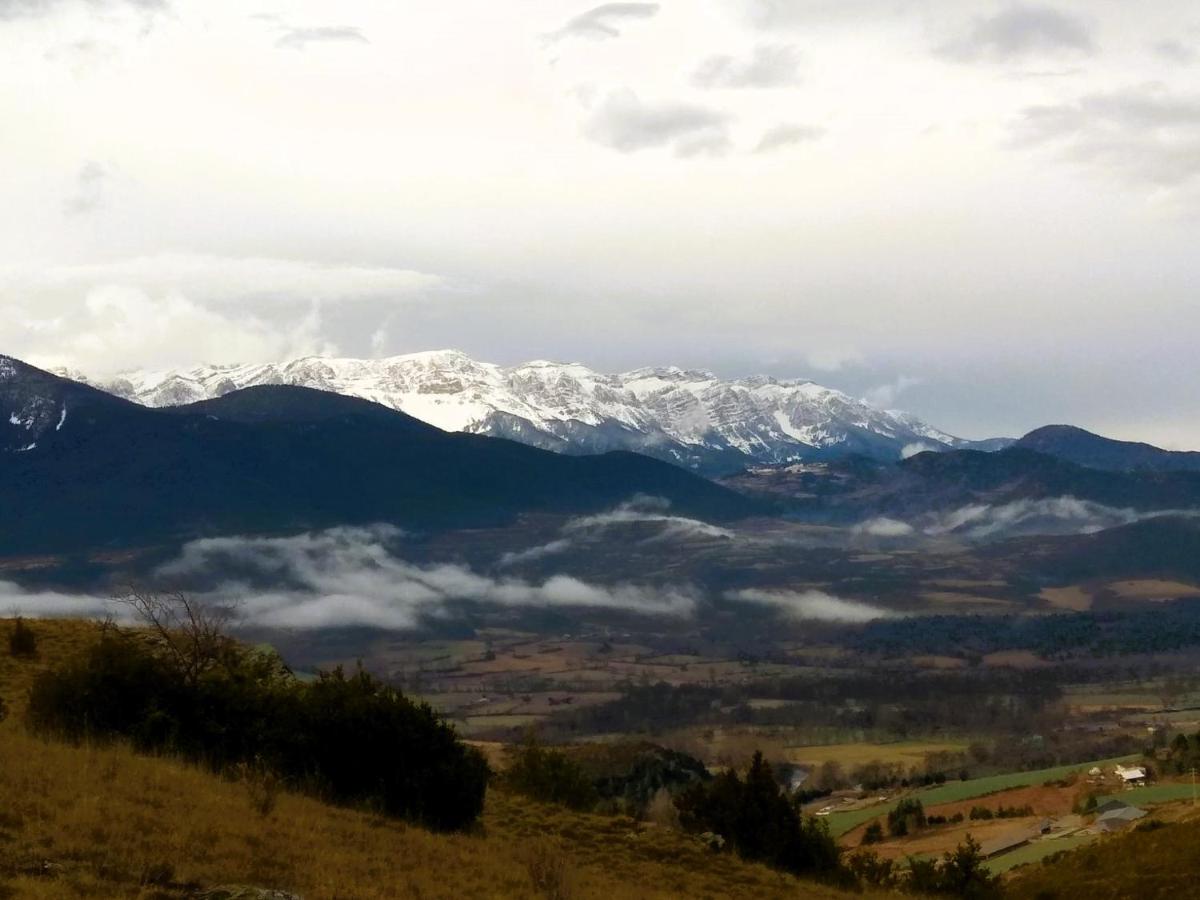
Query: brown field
(1153, 590)
(909, 753)
(938, 662)
(1015, 659)
(1073, 598)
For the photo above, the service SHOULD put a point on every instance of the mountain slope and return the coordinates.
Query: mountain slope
(1087, 449)
(687, 417)
(81, 468)
(100, 821)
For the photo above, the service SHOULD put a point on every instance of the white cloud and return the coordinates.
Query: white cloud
(1050, 515)
(770, 65)
(884, 527)
(884, 396)
(1021, 30)
(35, 603)
(815, 606)
(909, 450)
(173, 310)
(605, 21)
(352, 576)
(648, 510)
(300, 38)
(785, 135)
(833, 359)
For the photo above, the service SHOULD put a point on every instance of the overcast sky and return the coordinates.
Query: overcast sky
(985, 212)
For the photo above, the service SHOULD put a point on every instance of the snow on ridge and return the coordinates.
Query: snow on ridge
(543, 401)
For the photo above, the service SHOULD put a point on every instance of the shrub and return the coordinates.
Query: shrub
(873, 834)
(759, 822)
(960, 873)
(350, 739)
(549, 775)
(907, 816)
(22, 640)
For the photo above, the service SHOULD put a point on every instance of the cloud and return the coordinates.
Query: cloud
(16, 600)
(770, 65)
(14, 9)
(532, 554)
(89, 192)
(648, 510)
(909, 450)
(624, 123)
(1176, 51)
(884, 396)
(180, 309)
(833, 359)
(786, 135)
(119, 328)
(813, 606)
(602, 22)
(882, 526)
(300, 38)
(1051, 515)
(352, 577)
(1144, 135)
(1019, 31)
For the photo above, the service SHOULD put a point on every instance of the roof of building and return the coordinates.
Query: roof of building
(1126, 814)
(1111, 804)
(1004, 842)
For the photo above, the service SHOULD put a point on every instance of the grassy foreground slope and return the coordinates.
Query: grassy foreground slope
(1154, 864)
(105, 822)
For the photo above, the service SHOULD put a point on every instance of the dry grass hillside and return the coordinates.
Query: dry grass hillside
(105, 822)
(1151, 863)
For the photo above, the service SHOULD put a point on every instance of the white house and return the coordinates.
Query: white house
(1132, 775)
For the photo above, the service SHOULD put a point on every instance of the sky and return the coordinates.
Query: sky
(987, 213)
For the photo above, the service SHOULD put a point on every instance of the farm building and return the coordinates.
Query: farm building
(1132, 775)
(1003, 843)
(1117, 819)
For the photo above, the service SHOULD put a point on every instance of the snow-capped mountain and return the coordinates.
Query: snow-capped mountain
(685, 416)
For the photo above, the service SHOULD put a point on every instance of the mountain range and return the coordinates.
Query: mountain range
(81, 468)
(688, 417)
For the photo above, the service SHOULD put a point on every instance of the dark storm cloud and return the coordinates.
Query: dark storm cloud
(603, 22)
(624, 123)
(1019, 31)
(785, 135)
(770, 65)
(300, 38)
(1144, 134)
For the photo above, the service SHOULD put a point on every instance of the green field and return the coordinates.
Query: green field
(954, 791)
(1154, 793)
(1035, 852)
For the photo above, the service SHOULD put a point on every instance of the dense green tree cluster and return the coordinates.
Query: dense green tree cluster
(345, 737)
(549, 775)
(759, 822)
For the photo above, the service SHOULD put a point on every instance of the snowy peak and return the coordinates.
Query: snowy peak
(686, 416)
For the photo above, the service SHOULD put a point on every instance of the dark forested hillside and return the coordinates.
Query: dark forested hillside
(83, 469)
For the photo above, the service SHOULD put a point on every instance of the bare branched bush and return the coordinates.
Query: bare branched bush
(262, 786)
(22, 640)
(661, 810)
(191, 633)
(550, 869)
